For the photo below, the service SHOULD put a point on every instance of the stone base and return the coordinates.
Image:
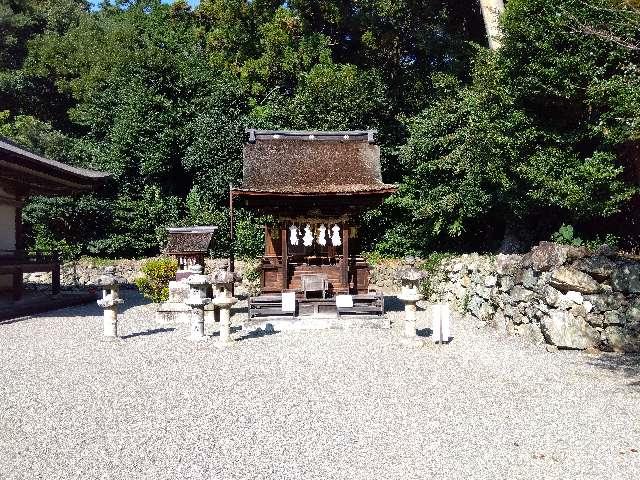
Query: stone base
(314, 323)
(203, 338)
(171, 313)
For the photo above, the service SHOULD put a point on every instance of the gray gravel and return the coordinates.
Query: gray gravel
(305, 405)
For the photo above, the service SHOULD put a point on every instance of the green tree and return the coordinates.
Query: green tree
(534, 138)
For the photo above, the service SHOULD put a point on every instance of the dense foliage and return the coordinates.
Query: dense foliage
(156, 275)
(481, 143)
(536, 138)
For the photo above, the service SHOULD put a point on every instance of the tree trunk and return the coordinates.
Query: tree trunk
(491, 10)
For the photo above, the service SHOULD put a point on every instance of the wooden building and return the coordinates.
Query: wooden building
(189, 246)
(316, 184)
(22, 174)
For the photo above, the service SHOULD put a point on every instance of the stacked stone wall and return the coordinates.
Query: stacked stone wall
(560, 295)
(84, 272)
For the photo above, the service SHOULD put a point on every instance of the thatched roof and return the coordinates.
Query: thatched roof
(296, 162)
(189, 239)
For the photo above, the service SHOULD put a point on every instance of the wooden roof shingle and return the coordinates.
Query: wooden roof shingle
(305, 162)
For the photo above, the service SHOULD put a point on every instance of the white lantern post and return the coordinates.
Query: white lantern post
(197, 299)
(110, 301)
(224, 300)
(410, 279)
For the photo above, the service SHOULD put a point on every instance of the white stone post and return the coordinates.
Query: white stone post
(197, 299)
(110, 301)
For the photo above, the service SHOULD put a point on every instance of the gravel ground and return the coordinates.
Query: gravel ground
(354, 404)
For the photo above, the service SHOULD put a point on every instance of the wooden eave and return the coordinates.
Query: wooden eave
(316, 204)
(26, 173)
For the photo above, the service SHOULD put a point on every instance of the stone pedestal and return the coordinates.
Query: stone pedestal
(110, 321)
(410, 320)
(175, 310)
(224, 303)
(197, 323)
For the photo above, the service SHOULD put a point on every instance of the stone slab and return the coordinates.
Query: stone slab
(171, 312)
(280, 324)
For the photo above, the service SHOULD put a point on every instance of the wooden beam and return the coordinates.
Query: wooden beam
(19, 229)
(345, 256)
(285, 256)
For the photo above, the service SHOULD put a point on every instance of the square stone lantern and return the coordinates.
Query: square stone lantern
(110, 300)
(410, 280)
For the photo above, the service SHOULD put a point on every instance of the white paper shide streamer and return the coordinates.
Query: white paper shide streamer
(322, 235)
(307, 239)
(335, 237)
(293, 235)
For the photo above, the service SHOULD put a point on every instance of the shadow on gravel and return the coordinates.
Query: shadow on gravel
(145, 333)
(424, 332)
(259, 333)
(393, 304)
(15, 320)
(626, 363)
(132, 298)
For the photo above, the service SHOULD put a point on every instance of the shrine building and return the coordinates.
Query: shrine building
(316, 185)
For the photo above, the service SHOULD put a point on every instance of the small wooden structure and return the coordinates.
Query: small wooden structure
(189, 246)
(23, 173)
(317, 185)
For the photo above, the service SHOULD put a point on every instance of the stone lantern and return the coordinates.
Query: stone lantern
(223, 281)
(110, 300)
(197, 300)
(410, 280)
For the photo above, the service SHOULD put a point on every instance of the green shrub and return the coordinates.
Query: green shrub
(566, 236)
(157, 274)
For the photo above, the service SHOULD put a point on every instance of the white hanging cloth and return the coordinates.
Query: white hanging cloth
(335, 237)
(307, 240)
(293, 235)
(322, 235)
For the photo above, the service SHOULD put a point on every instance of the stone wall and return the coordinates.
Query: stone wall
(84, 272)
(560, 295)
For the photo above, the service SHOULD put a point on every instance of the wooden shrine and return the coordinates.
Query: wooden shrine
(316, 185)
(189, 246)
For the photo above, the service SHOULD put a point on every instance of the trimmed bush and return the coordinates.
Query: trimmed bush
(158, 272)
